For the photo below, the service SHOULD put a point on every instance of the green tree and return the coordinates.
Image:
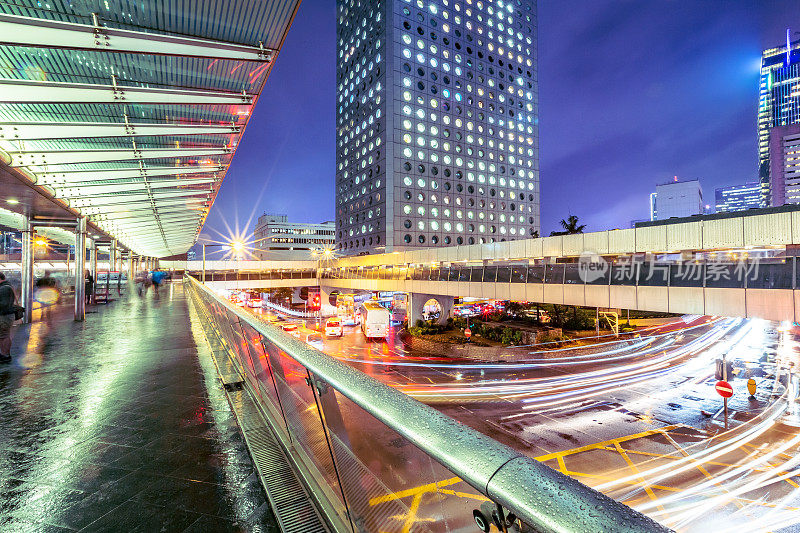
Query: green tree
(570, 225)
(282, 293)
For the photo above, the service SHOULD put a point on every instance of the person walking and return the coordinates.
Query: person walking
(158, 278)
(89, 280)
(7, 310)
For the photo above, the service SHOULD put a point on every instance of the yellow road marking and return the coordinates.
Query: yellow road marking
(605, 443)
(632, 466)
(430, 487)
(411, 517)
(561, 465)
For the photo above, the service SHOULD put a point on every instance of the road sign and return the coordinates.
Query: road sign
(724, 389)
(468, 333)
(751, 386)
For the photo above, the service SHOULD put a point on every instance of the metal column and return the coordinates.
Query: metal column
(112, 257)
(95, 249)
(80, 266)
(27, 271)
(131, 271)
(203, 275)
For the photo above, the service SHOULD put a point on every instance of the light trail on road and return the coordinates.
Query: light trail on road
(637, 419)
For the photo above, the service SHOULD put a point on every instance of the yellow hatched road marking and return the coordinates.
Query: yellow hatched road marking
(605, 443)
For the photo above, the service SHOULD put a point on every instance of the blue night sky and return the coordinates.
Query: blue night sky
(631, 94)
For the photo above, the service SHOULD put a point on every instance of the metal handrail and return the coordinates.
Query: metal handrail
(543, 498)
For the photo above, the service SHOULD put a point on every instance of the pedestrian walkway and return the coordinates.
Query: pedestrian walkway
(119, 424)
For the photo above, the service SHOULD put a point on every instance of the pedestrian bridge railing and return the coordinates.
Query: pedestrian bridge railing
(378, 460)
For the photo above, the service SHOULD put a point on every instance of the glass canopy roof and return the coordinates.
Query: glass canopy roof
(130, 111)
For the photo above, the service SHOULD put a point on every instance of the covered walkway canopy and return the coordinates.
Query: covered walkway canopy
(128, 112)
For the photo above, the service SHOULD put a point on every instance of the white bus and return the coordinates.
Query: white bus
(374, 319)
(399, 307)
(346, 309)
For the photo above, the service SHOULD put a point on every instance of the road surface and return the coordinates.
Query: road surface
(637, 419)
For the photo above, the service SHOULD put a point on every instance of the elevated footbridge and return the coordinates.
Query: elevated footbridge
(741, 264)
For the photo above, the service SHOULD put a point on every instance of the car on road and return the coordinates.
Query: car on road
(333, 327)
(289, 326)
(254, 302)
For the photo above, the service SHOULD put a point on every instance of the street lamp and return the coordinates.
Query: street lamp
(238, 248)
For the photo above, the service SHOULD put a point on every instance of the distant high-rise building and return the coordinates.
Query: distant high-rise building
(437, 123)
(653, 208)
(738, 197)
(275, 233)
(778, 102)
(676, 199)
(784, 163)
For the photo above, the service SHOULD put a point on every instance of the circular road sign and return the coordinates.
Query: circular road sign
(468, 333)
(724, 389)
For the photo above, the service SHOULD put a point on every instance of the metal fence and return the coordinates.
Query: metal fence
(378, 460)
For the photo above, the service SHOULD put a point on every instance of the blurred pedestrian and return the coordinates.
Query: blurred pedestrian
(89, 285)
(8, 313)
(47, 295)
(158, 278)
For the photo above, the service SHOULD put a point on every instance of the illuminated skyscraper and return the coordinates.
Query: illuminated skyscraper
(778, 101)
(738, 197)
(437, 123)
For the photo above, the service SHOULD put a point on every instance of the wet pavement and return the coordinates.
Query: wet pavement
(119, 424)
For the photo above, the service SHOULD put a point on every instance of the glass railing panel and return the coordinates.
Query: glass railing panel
(444, 274)
(769, 273)
(519, 274)
(238, 343)
(304, 423)
(503, 274)
(535, 274)
(653, 274)
(572, 274)
(686, 274)
(597, 272)
(261, 377)
(390, 484)
(724, 275)
(554, 273)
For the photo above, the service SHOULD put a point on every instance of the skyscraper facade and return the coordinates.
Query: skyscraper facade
(778, 101)
(437, 123)
(738, 197)
(677, 199)
(784, 164)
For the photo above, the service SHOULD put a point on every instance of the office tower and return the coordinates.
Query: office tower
(275, 232)
(778, 101)
(784, 164)
(437, 123)
(677, 199)
(738, 197)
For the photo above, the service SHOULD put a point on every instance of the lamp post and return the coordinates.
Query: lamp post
(237, 246)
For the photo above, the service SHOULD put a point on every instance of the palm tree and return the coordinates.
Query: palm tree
(570, 225)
